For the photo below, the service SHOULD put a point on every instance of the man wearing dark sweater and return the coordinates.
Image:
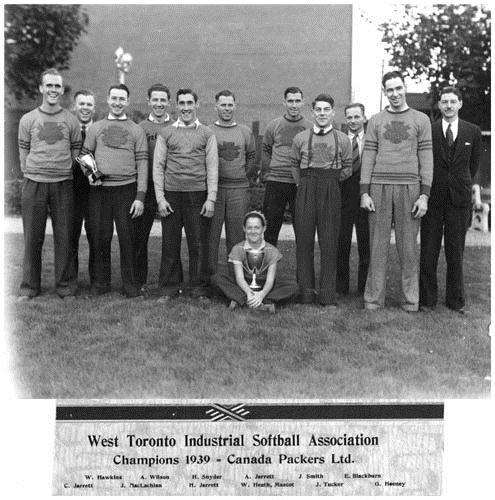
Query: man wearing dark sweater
(236, 164)
(276, 171)
(121, 154)
(185, 175)
(158, 101)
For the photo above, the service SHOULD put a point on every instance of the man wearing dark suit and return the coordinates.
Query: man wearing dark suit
(456, 155)
(352, 214)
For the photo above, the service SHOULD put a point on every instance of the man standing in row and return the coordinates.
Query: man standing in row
(49, 141)
(84, 109)
(321, 159)
(158, 119)
(396, 176)
(185, 175)
(352, 213)
(236, 164)
(121, 153)
(276, 171)
(456, 156)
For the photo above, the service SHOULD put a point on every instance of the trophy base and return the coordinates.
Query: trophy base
(256, 288)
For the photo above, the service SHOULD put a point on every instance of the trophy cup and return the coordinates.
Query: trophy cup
(254, 260)
(89, 165)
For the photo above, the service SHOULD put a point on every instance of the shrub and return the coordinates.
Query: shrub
(12, 197)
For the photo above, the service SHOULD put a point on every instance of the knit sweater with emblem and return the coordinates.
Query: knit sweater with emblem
(47, 143)
(236, 155)
(121, 153)
(186, 159)
(397, 150)
(277, 148)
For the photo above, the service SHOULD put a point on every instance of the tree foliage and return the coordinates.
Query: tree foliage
(446, 44)
(38, 37)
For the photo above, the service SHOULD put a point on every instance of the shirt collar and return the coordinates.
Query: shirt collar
(352, 134)
(120, 118)
(86, 125)
(316, 129)
(220, 124)
(453, 125)
(247, 246)
(180, 124)
(152, 119)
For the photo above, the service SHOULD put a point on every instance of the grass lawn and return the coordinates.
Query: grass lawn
(112, 347)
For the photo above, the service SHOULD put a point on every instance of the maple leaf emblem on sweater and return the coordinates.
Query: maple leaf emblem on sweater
(228, 151)
(115, 136)
(50, 132)
(396, 132)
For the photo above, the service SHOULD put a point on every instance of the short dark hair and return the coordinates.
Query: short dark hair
(450, 90)
(354, 105)
(256, 215)
(186, 91)
(119, 86)
(84, 92)
(158, 87)
(392, 74)
(49, 71)
(292, 90)
(323, 97)
(224, 93)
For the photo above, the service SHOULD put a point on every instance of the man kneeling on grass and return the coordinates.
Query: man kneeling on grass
(238, 290)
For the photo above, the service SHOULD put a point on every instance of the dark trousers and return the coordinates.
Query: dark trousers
(352, 215)
(318, 208)
(282, 291)
(38, 199)
(186, 208)
(277, 196)
(230, 208)
(443, 219)
(106, 206)
(143, 227)
(81, 214)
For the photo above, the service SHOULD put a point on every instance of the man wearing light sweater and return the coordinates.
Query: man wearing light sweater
(236, 164)
(396, 177)
(49, 140)
(121, 154)
(185, 175)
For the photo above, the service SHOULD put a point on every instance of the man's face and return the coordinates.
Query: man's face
(449, 105)
(117, 101)
(158, 102)
(395, 91)
(84, 107)
(355, 119)
(51, 89)
(293, 104)
(187, 108)
(225, 108)
(323, 113)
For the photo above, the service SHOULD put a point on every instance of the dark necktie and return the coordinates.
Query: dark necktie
(356, 160)
(320, 132)
(83, 132)
(449, 136)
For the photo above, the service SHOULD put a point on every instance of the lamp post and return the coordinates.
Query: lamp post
(123, 61)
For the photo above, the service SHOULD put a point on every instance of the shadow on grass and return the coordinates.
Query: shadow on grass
(112, 347)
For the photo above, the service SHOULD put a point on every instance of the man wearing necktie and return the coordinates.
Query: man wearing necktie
(84, 108)
(321, 159)
(456, 155)
(352, 214)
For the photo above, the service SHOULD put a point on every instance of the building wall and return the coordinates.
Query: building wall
(254, 50)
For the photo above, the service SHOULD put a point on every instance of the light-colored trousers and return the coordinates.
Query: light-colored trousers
(393, 204)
